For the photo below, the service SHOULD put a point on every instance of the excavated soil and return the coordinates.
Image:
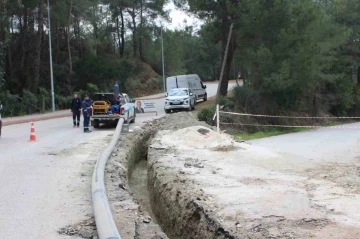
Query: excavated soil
(208, 186)
(130, 209)
(205, 186)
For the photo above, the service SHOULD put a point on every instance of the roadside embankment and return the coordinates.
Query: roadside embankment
(35, 117)
(130, 214)
(203, 185)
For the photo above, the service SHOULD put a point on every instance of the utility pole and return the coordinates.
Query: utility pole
(163, 63)
(223, 64)
(51, 65)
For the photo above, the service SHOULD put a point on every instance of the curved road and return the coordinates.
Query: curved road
(322, 145)
(45, 185)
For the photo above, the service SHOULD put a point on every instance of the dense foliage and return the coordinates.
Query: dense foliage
(299, 55)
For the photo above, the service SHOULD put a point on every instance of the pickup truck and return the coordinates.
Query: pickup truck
(108, 109)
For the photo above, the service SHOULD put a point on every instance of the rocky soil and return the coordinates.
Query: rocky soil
(132, 219)
(205, 186)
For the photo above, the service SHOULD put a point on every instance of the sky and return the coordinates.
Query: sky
(178, 17)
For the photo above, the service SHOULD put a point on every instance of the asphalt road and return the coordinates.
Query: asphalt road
(327, 144)
(45, 185)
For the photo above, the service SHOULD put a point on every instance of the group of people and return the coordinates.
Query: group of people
(78, 106)
(85, 106)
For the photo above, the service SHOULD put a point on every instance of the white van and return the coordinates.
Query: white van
(192, 82)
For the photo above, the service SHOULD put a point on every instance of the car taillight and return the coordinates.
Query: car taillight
(122, 110)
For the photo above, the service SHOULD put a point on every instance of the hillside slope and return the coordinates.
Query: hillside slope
(145, 82)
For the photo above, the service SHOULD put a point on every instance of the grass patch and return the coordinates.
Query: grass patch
(276, 132)
(269, 133)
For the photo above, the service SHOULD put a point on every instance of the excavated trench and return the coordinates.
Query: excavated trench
(139, 187)
(179, 219)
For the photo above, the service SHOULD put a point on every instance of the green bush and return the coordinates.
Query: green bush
(11, 104)
(207, 114)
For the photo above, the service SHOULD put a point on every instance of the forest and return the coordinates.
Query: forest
(293, 55)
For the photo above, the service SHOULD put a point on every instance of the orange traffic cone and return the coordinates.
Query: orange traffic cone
(32, 133)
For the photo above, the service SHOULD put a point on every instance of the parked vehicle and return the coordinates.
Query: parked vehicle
(179, 99)
(192, 82)
(108, 108)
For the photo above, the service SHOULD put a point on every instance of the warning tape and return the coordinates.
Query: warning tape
(289, 117)
(291, 126)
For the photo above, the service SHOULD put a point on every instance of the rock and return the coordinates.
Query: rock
(308, 219)
(147, 220)
(85, 234)
(122, 186)
(187, 165)
(198, 165)
(203, 131)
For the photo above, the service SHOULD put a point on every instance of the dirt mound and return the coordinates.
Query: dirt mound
(195, 139)
(177, 121)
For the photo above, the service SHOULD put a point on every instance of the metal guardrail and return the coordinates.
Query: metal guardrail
(105, 223)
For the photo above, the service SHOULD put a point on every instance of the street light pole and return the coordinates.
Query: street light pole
(163, 64)
(51, 65)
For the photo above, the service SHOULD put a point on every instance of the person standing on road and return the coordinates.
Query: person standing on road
(87, 111)
(76, 110)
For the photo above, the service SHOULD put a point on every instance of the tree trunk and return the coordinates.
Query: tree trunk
(133, 16)
(214, 70)
(229, 58)
(2, 22)
(114, 36)
(37, 61)
(77, 31)
(118, 35)
(23, 41)
(141, 32)
(57, 43)
(122, 48)
(94, 24)
(68, 39)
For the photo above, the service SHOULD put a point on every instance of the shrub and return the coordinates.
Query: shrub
(207, 114)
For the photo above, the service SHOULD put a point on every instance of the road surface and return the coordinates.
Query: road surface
(45, 185)
(326, 145)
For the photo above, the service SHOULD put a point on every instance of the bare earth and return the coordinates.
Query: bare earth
(240, 190)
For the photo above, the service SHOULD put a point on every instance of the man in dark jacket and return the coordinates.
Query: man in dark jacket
(87, 111)
(76, 110)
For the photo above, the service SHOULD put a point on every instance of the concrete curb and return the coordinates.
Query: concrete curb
(30, 118)
(151, 98)
(105, 223)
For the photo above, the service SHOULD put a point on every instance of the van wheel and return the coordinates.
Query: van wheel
(167, 111)
(205, 97)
